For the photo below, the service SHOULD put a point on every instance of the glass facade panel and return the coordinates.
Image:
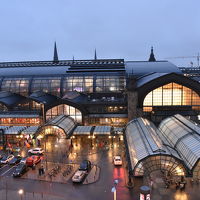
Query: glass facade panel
(16, 85)
(64, 110)
(46, 84)
(78, 83)
(110, 83)
(111, 121)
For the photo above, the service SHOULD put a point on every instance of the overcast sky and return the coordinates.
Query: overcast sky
(116, 28)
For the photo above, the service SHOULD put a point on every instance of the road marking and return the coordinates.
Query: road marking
(3, 167)
(8, 170)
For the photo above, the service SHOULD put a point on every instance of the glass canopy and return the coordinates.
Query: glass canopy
(184, 135)
(147, 152)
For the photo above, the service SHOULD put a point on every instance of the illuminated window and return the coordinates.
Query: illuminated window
(64, 110)
(16, 85)
(78, 83)
(110, 83)
(46, 84)
(171, 94)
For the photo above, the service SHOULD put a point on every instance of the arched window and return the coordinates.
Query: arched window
(171, 94)
(64, 110)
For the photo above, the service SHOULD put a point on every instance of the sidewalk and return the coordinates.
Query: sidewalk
(60, 176)
(93, 176)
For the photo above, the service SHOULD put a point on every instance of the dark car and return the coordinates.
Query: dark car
(15, 160)
(20, 170)
(85, 166)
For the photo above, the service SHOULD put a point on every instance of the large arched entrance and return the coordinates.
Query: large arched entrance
(54, 137)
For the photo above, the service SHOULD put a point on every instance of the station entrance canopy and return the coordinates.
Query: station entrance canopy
(61, 126)
(146, 152)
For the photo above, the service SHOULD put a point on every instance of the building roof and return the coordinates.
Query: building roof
(11, 99)
(139, 68)
(58, 67)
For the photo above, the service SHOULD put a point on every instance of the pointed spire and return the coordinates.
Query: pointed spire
(152, 57)
(95, 54)
(55, 57)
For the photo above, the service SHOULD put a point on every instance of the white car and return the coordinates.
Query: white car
(79, 176)
(6, 159)
(36, 151)
(117, 160)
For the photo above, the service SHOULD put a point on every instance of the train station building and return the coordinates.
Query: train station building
(44, 97)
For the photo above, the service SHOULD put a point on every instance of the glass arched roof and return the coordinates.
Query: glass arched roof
(182, 134)
(143, 141)
(66, 123)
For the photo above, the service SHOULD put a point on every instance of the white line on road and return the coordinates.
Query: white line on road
(3, 167)
(8, 170)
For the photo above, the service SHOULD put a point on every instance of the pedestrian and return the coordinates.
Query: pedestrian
(33, 167)
(39, 170)
(42, 169)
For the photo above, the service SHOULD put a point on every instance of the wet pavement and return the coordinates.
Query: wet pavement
(101, 189)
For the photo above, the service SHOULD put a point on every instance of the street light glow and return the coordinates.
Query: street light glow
(21, 191)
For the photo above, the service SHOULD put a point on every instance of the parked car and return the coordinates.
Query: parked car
(16, 149)
(23, 160)
(85, 166)
(36, 151)
(6, 159)
(15, 160)
(32, 160)
(20, 170)
(117, 160)
(79, 176)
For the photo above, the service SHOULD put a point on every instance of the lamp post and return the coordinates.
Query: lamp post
(114, 190)
(21, 192)
(43, 122)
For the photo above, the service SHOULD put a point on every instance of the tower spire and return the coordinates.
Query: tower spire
(152, 57)
(95, 54)
(55, 57)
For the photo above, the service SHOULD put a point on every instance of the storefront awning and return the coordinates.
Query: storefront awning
(102, 130)
(82, 130)
(14, 130)
(30, 130)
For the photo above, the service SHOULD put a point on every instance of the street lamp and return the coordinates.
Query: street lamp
(21, 192)
(43, 123)
(114, 190)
